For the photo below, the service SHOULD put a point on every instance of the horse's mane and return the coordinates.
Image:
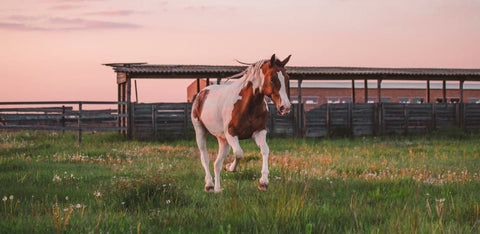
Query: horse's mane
(253, 74)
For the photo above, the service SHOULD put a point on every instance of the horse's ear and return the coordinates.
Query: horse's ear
(272, 60)
(285, 61)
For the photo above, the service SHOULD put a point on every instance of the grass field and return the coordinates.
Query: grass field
(373, 185)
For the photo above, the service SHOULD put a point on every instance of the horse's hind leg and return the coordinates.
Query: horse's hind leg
(237, 151)
(223, 149)
(201, 136)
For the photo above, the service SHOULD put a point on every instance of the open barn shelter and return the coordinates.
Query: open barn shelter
(355, 118)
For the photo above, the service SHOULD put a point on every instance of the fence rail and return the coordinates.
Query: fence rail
(61, 116)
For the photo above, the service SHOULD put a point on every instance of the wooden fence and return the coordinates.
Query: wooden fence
(389, 118)
(173, 119)
(60, 116)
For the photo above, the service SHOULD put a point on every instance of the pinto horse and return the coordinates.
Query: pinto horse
(239, 111)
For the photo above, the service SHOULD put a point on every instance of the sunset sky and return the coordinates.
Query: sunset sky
(53, 49)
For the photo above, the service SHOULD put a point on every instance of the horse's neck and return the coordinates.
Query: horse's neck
(251, 99)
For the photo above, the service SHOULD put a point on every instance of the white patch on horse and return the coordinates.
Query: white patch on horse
(283, 90)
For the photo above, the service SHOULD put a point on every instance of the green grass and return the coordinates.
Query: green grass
(424, 184)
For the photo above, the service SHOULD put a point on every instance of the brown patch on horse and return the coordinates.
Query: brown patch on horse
(272, 84)
(198, 103)
(249, 114)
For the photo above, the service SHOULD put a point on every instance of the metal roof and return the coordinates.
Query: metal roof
(142, 70)
(385, 85)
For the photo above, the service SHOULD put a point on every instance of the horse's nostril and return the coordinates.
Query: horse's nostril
(282, 108)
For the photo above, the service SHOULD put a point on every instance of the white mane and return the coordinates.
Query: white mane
(252, 74)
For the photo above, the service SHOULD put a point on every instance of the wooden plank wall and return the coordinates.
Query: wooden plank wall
(282, 125)
(389, 118)
(161, 119)
(173, 120)
(471, 117)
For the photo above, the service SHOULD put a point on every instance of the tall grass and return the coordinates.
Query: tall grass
(372, 184)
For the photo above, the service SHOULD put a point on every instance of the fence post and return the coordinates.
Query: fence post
(63, 118)
(327, 120)
(272, 121)
(154, 120)
(350, 118)
(79, 122)
(185, 111)
(405, 119)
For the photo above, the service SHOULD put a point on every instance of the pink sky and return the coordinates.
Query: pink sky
(53, 49)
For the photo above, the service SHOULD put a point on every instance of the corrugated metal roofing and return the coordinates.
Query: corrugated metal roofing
(385, 85)
(139, 70)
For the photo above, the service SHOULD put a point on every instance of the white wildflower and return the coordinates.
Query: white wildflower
(168, 201)
(57, 178)
(4, 199)
(97, 194)
(11, 197)
(66, 198)
(78, 206)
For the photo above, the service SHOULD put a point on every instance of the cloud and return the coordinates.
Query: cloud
(63, 24)
(112, 13)
(66, 7)
(18, 27)
(84, 24)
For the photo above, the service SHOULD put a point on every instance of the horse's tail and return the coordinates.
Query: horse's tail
(198, 102)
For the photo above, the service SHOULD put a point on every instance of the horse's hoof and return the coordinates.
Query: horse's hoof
(209, 189)
(228, 167)
(263, 187)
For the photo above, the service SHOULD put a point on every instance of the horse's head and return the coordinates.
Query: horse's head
(276, 83)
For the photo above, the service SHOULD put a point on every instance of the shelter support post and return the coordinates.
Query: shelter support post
(444, 91)
(129, 109)
(198, 85)
(300, 110)
(119, 107)
(379, 90)
(365, 87)
(427, 98)
(461, 90)
(353, 91)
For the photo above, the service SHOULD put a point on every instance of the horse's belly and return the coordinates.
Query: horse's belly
(217, 110)
(213, 120)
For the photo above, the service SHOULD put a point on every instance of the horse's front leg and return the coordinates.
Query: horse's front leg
(261, 140)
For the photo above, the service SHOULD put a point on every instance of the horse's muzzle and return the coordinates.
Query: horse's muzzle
(283, 110)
